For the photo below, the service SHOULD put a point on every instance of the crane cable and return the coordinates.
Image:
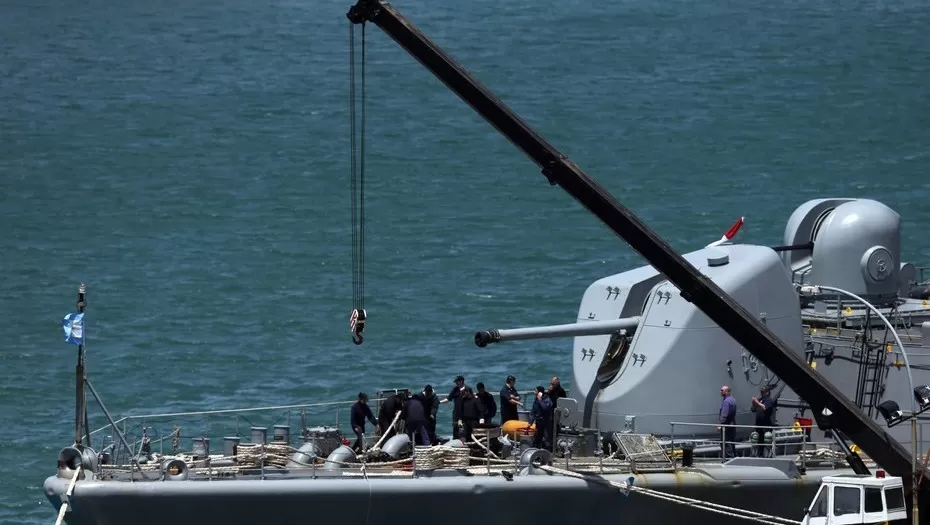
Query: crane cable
(357, 182)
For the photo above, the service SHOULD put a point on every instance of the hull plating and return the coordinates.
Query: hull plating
(447, 500)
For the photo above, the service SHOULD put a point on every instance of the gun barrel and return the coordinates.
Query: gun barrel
(485, 337)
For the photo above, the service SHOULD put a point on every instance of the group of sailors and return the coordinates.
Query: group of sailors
(471, 409)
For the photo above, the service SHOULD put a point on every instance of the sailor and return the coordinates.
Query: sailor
(389, 408)
(556, 391)
(431, 407)
(487, 401)
(455, 396)
(727, 419)
(510, 400)
(416, 420)
(473, 414)
(764, 408)
(542, 416)
(360, 412)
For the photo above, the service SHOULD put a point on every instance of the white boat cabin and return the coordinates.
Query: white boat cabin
(852, 498)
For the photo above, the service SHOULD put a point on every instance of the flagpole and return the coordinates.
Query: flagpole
(80, 399)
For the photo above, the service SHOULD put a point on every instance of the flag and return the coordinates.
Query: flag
(73, 325)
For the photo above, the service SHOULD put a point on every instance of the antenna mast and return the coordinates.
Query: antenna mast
(80, 398)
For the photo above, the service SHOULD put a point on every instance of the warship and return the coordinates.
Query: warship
(830, 320)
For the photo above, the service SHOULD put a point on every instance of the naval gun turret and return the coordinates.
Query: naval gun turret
(855, 245)
(644, 356)
(624, 325)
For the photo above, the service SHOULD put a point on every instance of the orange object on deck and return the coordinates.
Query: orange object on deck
(515, 428)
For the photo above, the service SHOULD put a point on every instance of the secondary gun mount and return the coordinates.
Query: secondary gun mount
(485, 337)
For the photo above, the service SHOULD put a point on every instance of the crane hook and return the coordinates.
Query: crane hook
(357, 325)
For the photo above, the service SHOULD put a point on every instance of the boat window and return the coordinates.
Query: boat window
(894, 498)
(822, 505)
(873, 500)
(845, 500)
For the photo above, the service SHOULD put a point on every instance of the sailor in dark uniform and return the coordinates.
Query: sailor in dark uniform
(389, 408)
(542, 416)
(360, 412)
(431, 407)
(455, 396)
(416, 422)
(510, 400)
(764, 408)
(487, 401)
(473, 414)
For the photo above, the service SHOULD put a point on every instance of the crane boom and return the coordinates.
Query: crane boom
(735, 320)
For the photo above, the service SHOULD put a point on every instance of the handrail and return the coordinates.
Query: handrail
(785, 427)
(240, 410)
(104, 427)
(135, 417)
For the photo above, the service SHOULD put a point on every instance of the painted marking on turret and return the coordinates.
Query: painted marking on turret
(589, 353)
(666, 295)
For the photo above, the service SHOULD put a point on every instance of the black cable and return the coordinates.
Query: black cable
(361, 189)
(352, 165)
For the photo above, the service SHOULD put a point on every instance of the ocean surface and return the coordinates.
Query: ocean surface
(189, 162)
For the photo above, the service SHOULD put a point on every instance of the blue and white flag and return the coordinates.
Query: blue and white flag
(74, 328)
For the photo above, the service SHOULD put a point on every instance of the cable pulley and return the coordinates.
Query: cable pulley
(359, 316)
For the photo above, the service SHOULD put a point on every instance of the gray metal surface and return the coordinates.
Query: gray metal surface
(449, 500)
(857, 246)
(678, 358)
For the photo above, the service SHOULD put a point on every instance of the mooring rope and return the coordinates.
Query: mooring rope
(682, 500)
(64, 505)
(385, 433)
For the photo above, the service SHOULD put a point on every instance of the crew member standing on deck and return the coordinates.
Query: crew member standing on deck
(416, 422)
(727, 420)
(389, 409)
(542, 416)
(360, 412)
(510, 400)
(487, 401)
(764, 408)
(431, 406)
(455, 396)
(473, 414)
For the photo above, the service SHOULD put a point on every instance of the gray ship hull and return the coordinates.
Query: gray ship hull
(437, 499)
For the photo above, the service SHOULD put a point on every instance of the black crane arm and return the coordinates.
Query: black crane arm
(742, 326)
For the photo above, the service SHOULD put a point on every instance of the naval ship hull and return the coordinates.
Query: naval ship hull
(453, 499)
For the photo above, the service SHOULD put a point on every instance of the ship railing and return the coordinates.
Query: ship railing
(164, 432)
(786, 440)
(840, 329)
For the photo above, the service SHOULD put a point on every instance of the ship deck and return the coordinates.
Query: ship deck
(150, 447)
